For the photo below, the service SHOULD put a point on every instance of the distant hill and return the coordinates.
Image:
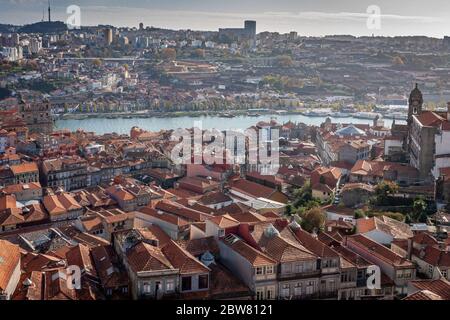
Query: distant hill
(44, 27)
(8, 28)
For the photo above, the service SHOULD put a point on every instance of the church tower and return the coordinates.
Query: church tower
(415, 104)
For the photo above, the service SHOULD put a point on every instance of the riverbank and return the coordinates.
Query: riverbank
(124, 125)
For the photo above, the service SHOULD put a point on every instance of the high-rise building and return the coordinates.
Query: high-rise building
(250, 27)
(246, 33)
(141, 26)
(108, 35)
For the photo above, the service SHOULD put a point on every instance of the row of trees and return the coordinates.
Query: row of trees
(312, 217)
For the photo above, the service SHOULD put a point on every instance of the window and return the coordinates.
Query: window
(147, 287)
(286, 268)
(270, 293)
(444, 273)
(298, 289)
(309, 290)
(269, 269)
(186, 283)
(430, 269)
(286, 290)
(170, 285)
(259, 270)
(203, 281)
(259, 293)
(299, 268)
(407, 274)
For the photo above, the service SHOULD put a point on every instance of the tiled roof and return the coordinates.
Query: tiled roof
(24, 168)
(145, 257)
(254, 257)
(440, 287)
(385, 224)
(423, 295)
(183, 260)
(379, 251)
(224, 221)
(9, 259)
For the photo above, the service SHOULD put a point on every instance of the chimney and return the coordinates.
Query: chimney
(448, 111)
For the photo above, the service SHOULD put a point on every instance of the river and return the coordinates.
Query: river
(123, 126)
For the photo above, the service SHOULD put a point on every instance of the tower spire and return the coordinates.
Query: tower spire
(49, 12)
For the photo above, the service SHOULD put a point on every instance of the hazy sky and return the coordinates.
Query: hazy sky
(314, 17)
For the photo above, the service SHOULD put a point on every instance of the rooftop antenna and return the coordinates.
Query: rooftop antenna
(49, 12)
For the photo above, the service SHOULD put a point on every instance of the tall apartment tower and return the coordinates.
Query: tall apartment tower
(37, 116)
(250, 27)
(108, 34)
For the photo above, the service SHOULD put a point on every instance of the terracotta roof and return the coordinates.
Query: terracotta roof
(252, 188)
(24, 168)
(440, 287)
(145, 257)
(182, 211)
(379, 251)
(9, 259)
(7, 202)
(199, 246)
(182, 259)
(394, 228)
(434, 256)
(224, 221)
(214, 197)
(163, 216)
(423, 295)
(15, 188)
(430, 119)
(314, 245)
(80, 256)
(254, 257)
(60, 203)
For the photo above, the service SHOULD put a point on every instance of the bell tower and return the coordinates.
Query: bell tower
(415, 104)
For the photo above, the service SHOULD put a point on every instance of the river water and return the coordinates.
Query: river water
(123, 126)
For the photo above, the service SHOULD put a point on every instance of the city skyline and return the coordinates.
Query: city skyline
(347, 17)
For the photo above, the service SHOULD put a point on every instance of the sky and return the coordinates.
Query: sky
(308, 18)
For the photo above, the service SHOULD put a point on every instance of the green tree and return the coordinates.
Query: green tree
(169, 54)
(384, 190)
(419, 207)
(359, 214)
(313, 219)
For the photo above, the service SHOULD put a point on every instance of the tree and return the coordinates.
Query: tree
(97, 62)
(169, 54)
(313, 219)
(408, 219)
(419, 207)
(289, 210)
(359, 214)
(385, 189)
